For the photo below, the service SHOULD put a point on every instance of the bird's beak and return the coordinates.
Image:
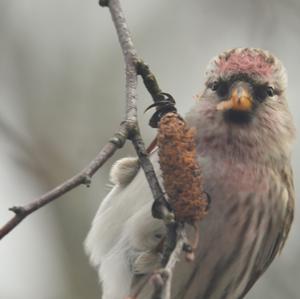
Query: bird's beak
(239, 99)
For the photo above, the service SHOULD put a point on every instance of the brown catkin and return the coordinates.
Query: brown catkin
(180, 170)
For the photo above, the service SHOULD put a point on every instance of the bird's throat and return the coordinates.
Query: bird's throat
(237, 117)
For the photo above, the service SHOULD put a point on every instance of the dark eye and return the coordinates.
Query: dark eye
(221, 87)
(213, 86)
(263, 91)
(270, 91)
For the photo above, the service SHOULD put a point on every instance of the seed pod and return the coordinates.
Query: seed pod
(180, 170)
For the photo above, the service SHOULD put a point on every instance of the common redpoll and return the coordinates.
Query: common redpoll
(244, 134)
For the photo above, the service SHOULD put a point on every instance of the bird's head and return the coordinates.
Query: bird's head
(244, 99)
(242, 81)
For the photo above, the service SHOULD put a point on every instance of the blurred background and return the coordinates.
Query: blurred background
(62, 97)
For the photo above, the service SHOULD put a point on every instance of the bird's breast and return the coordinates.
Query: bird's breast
(232, 176)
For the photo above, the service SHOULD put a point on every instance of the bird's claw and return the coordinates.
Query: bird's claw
(165, 103)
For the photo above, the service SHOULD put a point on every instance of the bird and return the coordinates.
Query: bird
(244, 136)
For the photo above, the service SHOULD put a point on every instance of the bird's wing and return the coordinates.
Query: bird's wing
(287, 179)
(129, 195)
(269, 250)
(262, 244)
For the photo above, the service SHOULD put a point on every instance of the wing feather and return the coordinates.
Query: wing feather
(271, 249)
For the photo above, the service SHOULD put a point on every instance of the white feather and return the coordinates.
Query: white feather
(124, 170)
(123, 230)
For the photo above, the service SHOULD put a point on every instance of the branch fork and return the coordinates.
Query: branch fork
(175, 241)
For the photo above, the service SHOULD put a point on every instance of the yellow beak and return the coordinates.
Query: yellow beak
(240, 99)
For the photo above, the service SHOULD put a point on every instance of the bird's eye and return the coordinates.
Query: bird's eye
(221, 88)
(213, 86)
(270, 91)
(260, 93)
(263, 91)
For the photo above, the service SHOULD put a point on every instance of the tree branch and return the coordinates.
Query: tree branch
(130, 59)
(129, 129)
(163, 278)
(82, 178)
(161, 209)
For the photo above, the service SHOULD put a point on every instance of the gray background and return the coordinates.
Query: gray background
(62, 97)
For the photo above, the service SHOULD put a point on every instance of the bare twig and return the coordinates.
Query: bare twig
(128, 129)
(130, 59)
(162, 279)
(161, 209)
(150, 81)
(82, 178)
